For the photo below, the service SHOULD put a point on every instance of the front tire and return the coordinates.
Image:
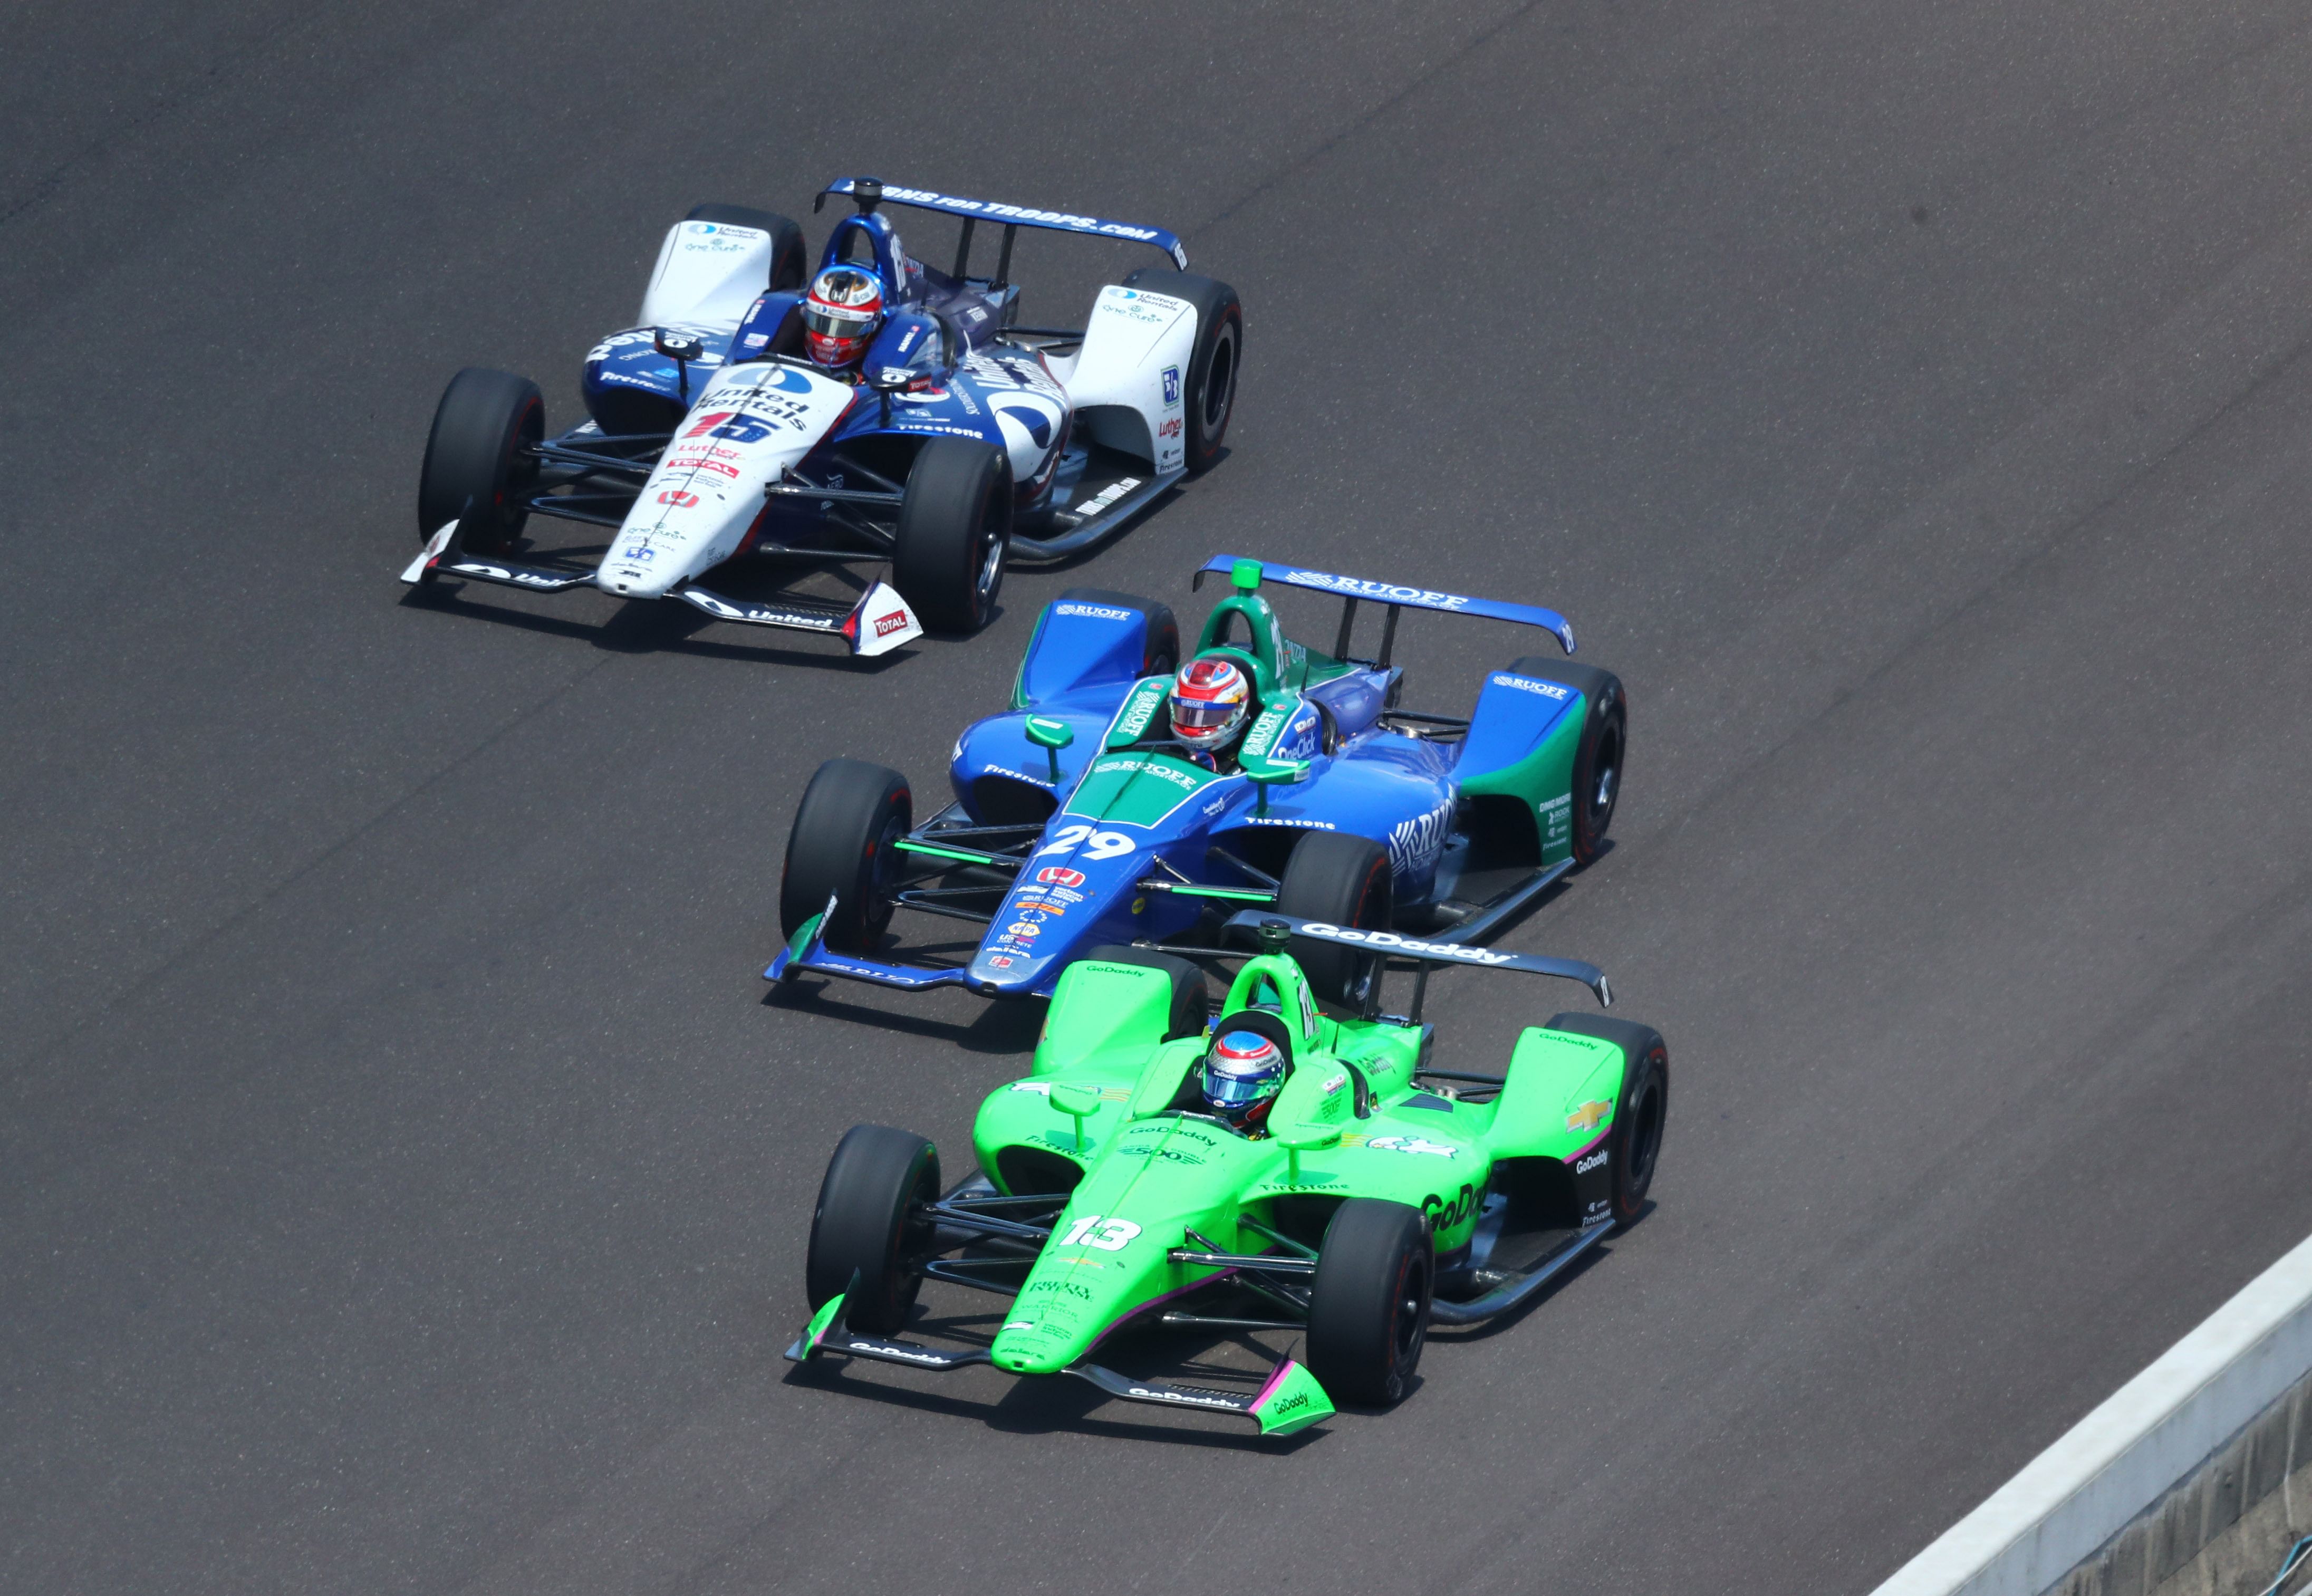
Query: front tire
(865, 1226)
(955, 530)
(1605, 742)
(479, 454)
(1339, 880)
(841, 847)
(1369, 1303)
(1209, 396)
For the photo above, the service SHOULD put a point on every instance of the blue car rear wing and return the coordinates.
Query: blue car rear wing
(868, 192)
(1354, 588)
(1422, 950)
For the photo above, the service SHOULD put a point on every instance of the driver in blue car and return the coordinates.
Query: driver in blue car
(1210, 703)
(1242, 1076)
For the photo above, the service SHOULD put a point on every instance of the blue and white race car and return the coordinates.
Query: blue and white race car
(962, 439)
(1080, 826)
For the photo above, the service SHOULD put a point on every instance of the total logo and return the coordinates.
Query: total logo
(885, 625)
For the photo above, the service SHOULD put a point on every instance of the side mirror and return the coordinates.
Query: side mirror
(681, 348)
(1051, 736)
(1277, 773)
(1297, 1139)
(891, 379)
(1079, 1104)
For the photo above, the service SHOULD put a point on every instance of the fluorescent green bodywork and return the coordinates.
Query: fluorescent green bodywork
(1147, 1175)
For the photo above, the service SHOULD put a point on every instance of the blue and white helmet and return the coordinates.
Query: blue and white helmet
(1243, 1074)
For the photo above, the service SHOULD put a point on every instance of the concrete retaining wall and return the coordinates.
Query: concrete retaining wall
(2147, 1488)
(2224, 1530)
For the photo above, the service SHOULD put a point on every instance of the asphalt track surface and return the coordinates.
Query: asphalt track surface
(403, 1183)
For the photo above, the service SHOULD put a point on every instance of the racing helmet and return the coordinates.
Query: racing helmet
(1210, 699)
(1243, 1074)
(841, 313)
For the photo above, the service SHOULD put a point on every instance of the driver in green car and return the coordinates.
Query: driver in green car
(1242, 1076)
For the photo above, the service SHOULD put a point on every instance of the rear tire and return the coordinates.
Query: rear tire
(1209, 396)
(864, 1225)
(1159, 644)
(841, 847)
(1192, 999)
(789, 262)
(475, 455)
(1604, 744)
(1340, 880)
(1641, 1110)
(1368, 1304)
(955, 530)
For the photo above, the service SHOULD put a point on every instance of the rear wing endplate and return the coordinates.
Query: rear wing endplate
(1391, 944)
(1397, 598)
(1006, 215)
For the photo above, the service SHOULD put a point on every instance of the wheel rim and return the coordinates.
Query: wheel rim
(1606, 782)
(881, 876)
(519, 473)
(1219, 384)
(994, 544)
(1405, 1334)
(1645, 1136)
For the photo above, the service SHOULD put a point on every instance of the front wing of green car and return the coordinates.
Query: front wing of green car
(1290, 1400)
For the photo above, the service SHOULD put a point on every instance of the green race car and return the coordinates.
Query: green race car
(1385, 1194)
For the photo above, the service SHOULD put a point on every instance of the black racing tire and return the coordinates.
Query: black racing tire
(1599, 760)
(1368, 1302)
(1640, 1112)
(1340, 880)
(478, 453)
(1192, 999)
(1209, 397)
(955, 530)
(1159, 643)
(789, 263)
(865, 1225)
(840, 846)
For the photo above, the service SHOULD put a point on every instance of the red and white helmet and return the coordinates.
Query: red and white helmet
(1210, 699)
(841, 313)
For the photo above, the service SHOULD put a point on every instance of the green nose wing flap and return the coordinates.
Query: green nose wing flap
(1291, 1400)
(815, 1333)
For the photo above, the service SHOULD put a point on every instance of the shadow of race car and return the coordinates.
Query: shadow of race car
(1384, 1195)
(1077, 821)
(964, 438)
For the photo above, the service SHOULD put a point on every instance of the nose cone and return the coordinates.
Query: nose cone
(626, 578)
(1004, 965)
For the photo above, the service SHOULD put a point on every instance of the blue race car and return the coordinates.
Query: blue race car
(954, 440)
(1082, 825)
